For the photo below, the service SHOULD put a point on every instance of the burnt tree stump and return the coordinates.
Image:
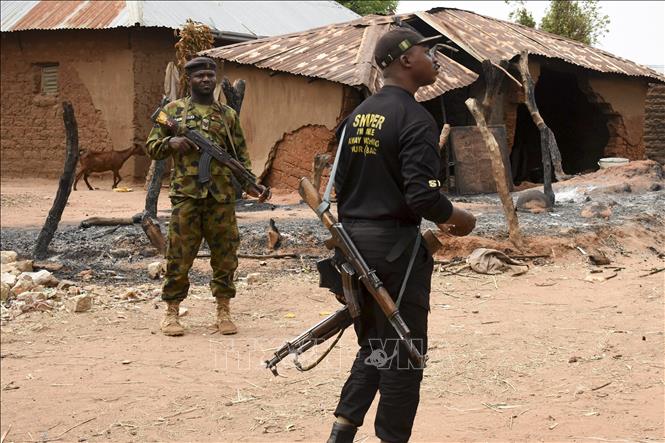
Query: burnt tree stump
(234, 94)
(154, 188)
(550, 153)
(64, 185)
(151, 228)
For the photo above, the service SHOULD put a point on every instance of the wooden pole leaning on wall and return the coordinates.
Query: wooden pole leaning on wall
(499, 172)
(548, 146)
(443, 137)
(64, 185)
(318, 165)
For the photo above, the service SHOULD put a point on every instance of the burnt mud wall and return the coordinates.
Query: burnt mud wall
(294, 156)
(654, 123)
(94, 73)
(277, 104)
(592, 115)
(622, 100)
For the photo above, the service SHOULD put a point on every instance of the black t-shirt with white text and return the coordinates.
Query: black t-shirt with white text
(389, 165)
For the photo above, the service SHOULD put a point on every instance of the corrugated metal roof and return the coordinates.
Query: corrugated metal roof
(343, 52)
(496, 40)
(340, 53)
(257, 18)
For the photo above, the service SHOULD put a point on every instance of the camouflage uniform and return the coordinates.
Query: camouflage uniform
(201, 210)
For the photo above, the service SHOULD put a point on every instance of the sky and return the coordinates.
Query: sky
(636, 29)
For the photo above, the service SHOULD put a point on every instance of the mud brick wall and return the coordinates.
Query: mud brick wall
(94, 74)
(295, 155)
(153, 49)
(654, 123)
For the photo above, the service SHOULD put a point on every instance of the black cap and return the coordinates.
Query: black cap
(396, 42)
(200, 64)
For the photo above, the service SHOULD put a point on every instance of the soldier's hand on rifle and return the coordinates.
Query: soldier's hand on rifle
(460, 223)
(182, 144)
(260, 192)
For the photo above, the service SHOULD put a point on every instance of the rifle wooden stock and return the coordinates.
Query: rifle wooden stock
(313, 200)
(368, 277)
(311, 197)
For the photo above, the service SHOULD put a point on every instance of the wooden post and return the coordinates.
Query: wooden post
(234, 94)
(493, 78)
(110, 221)
(443, 138)
(151, 228)
(234, 97)
(499, 173)
(548, 146)
(320, 163)
(444, 154)
(65, 184)
(154, 188)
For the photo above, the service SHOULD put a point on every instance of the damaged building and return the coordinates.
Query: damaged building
(108, 59)
(300, 86)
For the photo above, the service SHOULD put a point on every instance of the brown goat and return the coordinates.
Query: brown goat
(91, 161)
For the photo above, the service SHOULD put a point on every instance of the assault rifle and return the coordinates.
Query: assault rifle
(210, 150)
(315, 335)
(343, 318)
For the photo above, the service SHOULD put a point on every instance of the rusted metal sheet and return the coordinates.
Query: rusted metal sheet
(496, 40)
(340, 53)
(70, 14)
(473, 166)
(256, 18)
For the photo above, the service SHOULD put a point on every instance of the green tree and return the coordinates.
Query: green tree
(578, 20)
(520, 14)
(366, 7)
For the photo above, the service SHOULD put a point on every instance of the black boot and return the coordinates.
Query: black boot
(342, 433)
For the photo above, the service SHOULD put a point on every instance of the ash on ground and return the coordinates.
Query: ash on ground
(634, 194)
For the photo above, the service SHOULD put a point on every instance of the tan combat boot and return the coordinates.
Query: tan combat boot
(170, 324)
(224, 323)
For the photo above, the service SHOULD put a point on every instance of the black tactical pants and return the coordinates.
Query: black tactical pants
(382, 364)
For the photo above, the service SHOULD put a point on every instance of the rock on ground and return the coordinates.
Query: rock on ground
(596, 209)
(8, 257)
(80, 303)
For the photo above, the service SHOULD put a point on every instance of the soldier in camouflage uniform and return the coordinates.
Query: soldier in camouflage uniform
(200, 210)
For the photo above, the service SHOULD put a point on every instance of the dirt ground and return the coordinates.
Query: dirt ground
(568, 351)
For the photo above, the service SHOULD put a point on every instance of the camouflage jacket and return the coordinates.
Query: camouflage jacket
(184, 178)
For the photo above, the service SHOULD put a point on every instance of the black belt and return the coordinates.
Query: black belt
(402, 241)
(388, 223)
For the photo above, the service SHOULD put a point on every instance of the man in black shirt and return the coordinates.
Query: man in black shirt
(387, 181)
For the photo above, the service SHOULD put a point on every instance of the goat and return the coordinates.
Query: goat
(91, 161)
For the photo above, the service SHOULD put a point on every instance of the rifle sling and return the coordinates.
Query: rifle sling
(408, 268)
(325, 201)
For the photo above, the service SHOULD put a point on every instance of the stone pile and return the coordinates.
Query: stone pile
(25, 290)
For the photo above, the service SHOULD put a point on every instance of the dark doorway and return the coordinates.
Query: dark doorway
(525, 158)
(580, 127)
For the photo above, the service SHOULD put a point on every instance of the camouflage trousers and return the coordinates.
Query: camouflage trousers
(191, 221)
